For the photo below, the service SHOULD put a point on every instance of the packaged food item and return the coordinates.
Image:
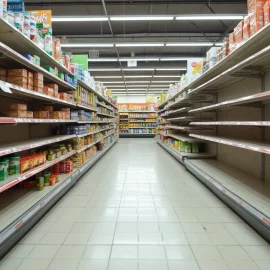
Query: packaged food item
(48, 91)
(19, 81)
(29, 114)
(33, 27)
(48, 108)
(52, 180)
(195, 148)
(2, 170)
(57, 115)
(55, 168)
(37, 60)
(238, 33)
(3, 10)
(231, 42)
(188, 147)
(41, 114)
(57, 49)
(18, 73)
(18, 107)
(26, 25)
(246, 28)
(17, 114)
(38, 76)
(46, 176)
(266, 12)
(40, 182)
(68, 166)
(14, 165)
(62, 166)
(18, 19)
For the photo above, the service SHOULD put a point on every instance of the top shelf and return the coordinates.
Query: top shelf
(256, 43)
(13, 38)
(86, 87)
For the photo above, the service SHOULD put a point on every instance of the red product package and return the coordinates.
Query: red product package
(246, 28)
(256, 6)
(266, 12)
(62, 166)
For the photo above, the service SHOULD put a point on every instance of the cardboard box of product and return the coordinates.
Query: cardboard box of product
(18, 73)
(18, 107)
(255, 6)
(246, 28)
(38, 89)
(238, 33)
(38, 76)
(266, 12)
(16, 113)
(19, 81)
(3, 72)
(48, 91)
(29, 114)
(3, 78)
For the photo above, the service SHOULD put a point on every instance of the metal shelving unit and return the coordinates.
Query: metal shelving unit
(30, 205)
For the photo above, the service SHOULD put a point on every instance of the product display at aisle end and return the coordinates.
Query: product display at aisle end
(56, 121)
(137, 120)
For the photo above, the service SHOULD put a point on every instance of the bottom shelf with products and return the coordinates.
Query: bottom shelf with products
(22, 206)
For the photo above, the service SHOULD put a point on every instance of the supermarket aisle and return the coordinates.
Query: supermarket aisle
(138, 208)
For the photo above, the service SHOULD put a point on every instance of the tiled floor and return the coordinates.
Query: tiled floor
(139, 209)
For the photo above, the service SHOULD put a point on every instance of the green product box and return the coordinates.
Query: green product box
(195, 148)
(187, 147)
(181, 146)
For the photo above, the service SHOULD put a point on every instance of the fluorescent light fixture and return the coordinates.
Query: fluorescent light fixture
(142, 18)
(219, 44)
(139, 76)
(174, 59)
(159, 85)
(104, 69)
(131, 94)
(113, 82)
(138, 59)
(189, 44)
(139, 44)
(134, 86)
(137, 89)
(115, 86)
(137, 82)
(170, 69)
(165, 81)
(118, 89)
(86, 45)
(138, 69)
(79, 19)
(107, 77)
(209, 17)
(166, 76)
(102, 60)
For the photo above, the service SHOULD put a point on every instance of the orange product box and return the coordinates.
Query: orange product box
(246, 28)
(231, 42)
(38, 83)
(256, 6)
(48, 108)
(30, 75)
(38, 76)
(29, 114)
(41, 114)
(18, 107)
(53, 85)
(57, 115)
(48, 91)
(65, 110)
(30, 81)
(63, 96)
(19, 81)
(238, 32)
(3, 72)
(266, 12)
(17, 73)
(30, 87)
(57, 49)
(18, 114)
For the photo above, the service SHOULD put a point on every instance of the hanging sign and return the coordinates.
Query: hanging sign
(15, 5)
(132, 63)
(43, 17)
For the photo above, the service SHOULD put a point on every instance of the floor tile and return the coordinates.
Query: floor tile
(58, 264)
(44, 252)
(34, 264)
(100, 239)
(32, 238)
(150, 239)
(151, 252)
(93, 265)
(125, 238)
(10, 264)
(153, 264)
(206, 253)
(183, 265)
(124, 252)
(179, 253)
(175, 239)
(148, 228)
(123, 265)
(70, 252)
(97, 252)
(261, 253)
(53, 239)
(77, 239)
(233, 253)
(242, 265)
(20, 252)
(212, 264)
(199, 239)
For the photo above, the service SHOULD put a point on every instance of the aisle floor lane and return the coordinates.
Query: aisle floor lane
(139, 209)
